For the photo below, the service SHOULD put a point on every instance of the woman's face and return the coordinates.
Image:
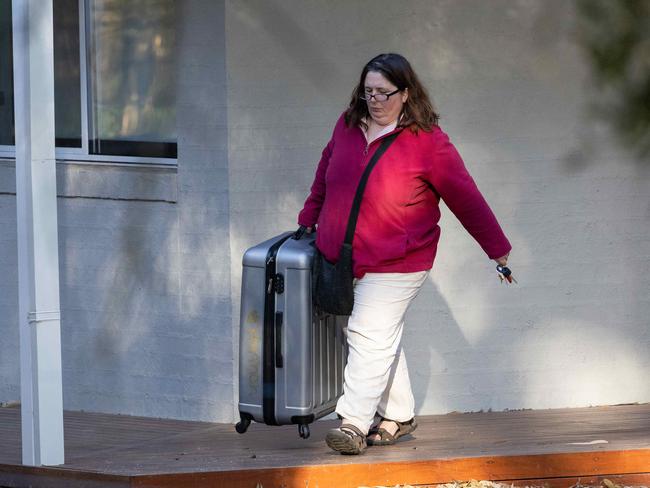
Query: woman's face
(383, 113)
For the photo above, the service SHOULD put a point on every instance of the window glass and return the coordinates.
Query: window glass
(6, 76)
(66, 74)
(67, 81)
(131, 77)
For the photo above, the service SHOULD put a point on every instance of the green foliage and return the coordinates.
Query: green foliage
(615, 35)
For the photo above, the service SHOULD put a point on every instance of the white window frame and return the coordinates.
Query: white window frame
(82, 154)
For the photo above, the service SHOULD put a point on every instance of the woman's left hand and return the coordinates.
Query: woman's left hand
(503, 271)
(503, 260)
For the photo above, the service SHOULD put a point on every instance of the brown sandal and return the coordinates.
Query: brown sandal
(347, 439)
(385, 437)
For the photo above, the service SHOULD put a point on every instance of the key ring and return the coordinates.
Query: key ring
(504, 273)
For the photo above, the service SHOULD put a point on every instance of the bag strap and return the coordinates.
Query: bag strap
(356, 204)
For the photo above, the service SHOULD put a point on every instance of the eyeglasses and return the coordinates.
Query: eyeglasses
(379, 97)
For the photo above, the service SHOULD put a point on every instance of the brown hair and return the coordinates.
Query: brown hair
(418, 112)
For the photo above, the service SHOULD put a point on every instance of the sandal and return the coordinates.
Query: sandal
(385, 437)
(347, 439)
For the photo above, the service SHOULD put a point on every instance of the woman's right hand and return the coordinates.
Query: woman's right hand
(302, 230)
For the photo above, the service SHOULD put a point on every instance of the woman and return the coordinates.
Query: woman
(395, 239)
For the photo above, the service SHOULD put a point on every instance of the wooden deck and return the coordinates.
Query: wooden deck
(553, 447)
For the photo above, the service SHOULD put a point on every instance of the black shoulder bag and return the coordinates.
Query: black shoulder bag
(332, 284)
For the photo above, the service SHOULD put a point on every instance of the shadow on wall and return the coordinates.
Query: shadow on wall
(300, 46)
(614, 38)
(550, 361)
(431, 362)
(119, 277)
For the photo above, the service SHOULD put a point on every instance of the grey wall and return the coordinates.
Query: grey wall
(145, 260)
(204, 234)
(151, 258)
(9, 353)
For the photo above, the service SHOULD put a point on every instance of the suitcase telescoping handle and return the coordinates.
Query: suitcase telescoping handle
(279, 362)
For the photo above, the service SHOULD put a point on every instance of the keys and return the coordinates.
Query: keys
(505, 274)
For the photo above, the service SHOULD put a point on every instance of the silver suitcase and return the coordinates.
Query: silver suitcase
(291, 356)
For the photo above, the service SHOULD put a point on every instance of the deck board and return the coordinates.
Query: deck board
(528, 444)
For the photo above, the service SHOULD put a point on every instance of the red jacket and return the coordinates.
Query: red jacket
(397, 230)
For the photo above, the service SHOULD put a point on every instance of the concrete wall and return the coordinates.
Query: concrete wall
(512, 89)
(9, 353)
(151, 258)
(145, 260)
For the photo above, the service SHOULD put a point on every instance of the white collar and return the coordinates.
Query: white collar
(383, 132)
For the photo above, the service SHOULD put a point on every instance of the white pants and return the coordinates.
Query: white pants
(376, 375)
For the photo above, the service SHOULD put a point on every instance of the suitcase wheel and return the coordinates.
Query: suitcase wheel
(303, 430)
(242, 425)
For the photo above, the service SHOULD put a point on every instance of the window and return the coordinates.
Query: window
(6, 76)
(114, 70)
(67, 74)
(130, 76)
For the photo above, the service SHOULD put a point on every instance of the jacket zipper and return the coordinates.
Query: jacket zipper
(365, 151)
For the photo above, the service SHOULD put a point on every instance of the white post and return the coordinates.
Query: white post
(38, 259)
